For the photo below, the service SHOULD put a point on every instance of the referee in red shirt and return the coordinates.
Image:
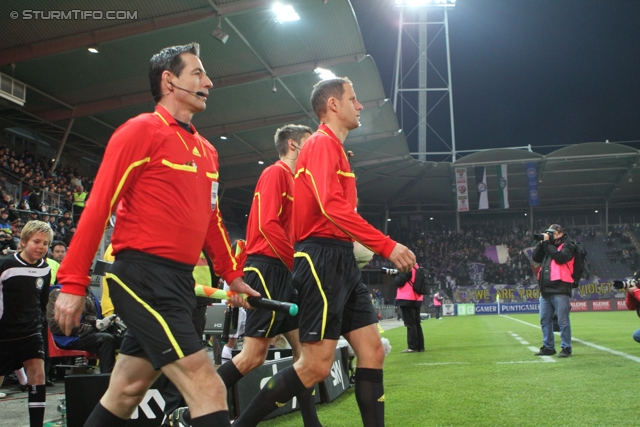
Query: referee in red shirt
(331, 298)
(156, 170)
(268, 268)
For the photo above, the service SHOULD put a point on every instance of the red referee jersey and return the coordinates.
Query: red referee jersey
(164, 182)
(269, 227)
(324, 202)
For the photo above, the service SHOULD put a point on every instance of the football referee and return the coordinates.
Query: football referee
(331, 299)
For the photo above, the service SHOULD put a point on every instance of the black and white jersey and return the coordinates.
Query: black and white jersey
(24, 293)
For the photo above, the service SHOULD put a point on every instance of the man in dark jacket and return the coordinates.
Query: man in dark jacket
(556, 254)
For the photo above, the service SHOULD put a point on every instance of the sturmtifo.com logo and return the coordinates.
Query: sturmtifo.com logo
(75, 14)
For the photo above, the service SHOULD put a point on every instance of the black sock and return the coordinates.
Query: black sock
(306, 400)
(101, 417)
(37, 402)
(229, 374)
(220, 418)
(277, 391)
(370, 396)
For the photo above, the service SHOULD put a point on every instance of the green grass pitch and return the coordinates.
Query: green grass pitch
(481, 371)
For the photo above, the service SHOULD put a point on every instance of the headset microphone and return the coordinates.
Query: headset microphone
(190, 91)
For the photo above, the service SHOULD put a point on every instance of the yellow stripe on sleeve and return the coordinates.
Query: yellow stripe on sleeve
(121, 184)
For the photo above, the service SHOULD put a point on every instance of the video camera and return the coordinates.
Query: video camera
(389, 271)
(540, 236)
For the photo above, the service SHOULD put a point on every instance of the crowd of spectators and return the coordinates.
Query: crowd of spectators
(448, 253)
(41, 194)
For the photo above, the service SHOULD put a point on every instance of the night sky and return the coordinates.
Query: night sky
(536, 72)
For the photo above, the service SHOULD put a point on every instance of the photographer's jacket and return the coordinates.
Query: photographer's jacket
(631, 300)
(405, 296)
(555, 276)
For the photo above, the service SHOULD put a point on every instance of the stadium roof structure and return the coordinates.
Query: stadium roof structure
(86, 96)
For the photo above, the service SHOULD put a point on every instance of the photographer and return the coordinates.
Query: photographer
(410, 302)
(555, 252)
(632, 297)
(86, 336)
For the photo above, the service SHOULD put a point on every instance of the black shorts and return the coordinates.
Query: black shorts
(14, 352)
(155, 298)
(272, 279)
(332, 299)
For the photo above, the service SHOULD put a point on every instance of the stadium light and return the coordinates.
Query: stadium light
(419, 3)
(324, 74)
(285, 13)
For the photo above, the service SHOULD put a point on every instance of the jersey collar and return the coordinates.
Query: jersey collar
(284, 166)
(169, 120)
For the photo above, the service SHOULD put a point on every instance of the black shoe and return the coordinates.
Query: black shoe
(565, 352)
(544, 351)
(49, 383)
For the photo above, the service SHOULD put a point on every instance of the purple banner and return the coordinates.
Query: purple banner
(476, 272)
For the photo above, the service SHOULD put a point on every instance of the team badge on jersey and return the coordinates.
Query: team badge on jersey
(39, 283)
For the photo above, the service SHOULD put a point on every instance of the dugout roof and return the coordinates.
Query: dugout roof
(100, 91)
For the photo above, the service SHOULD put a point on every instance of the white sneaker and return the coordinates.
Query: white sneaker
(3, 395)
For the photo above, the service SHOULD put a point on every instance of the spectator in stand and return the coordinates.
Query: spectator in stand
(69, 235)
(58, 251)
(6, 200)
(5, 223)
(7, 245)
(13, 214)
(85, 336)
(35, 199)
(33, 216)
(79, 199)
(67, 202)
(410, 303)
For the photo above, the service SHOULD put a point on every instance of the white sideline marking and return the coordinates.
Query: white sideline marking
(525, 361)
(596, 346)
(441, 363)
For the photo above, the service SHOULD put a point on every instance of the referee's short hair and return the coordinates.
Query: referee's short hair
(325, 89)
(168, 59)
(287, 132)
(33, 227)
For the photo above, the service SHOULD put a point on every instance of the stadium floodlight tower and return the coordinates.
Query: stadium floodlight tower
(423, 67)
